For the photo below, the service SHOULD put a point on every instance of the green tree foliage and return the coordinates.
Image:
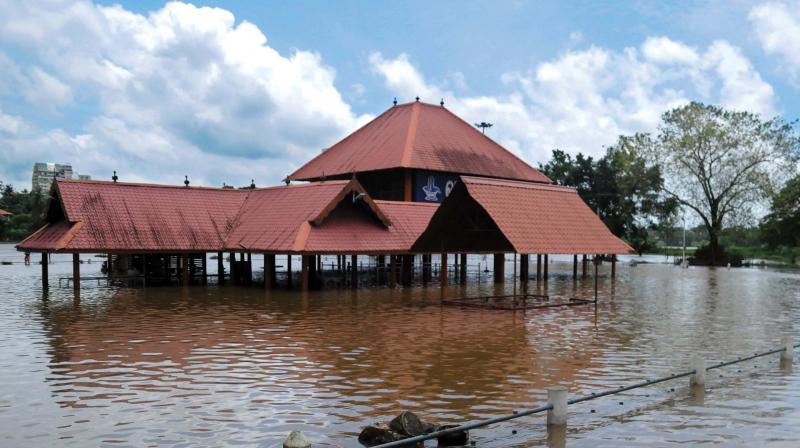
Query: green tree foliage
(781, 227)
(721, 164)
(620, 187)
(28, 210)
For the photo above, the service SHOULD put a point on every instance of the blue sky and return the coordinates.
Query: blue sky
(229, 91)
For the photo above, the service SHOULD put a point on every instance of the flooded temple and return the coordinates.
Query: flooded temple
(392, 202)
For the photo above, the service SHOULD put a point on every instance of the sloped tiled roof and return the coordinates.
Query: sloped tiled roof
(422, 136)
(532, 218)
(5, 213)
(315, 217)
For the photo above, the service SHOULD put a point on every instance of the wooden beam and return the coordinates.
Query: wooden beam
(584, 266)
(269, 271)
(575, 267)
(232, 264)
(426, 268)
(76, 273)
(45, 269)
(614, 266)
(407, 271)
(204, 264)
(538, 268)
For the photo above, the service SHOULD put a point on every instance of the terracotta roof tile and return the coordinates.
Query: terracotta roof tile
(422, 136)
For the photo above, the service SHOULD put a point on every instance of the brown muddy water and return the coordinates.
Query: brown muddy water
(210, 367)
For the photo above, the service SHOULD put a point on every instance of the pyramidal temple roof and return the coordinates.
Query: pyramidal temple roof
(422, 136)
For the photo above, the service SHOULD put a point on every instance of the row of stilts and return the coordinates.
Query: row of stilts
(345, 271)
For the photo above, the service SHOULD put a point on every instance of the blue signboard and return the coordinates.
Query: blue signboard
(431, 186)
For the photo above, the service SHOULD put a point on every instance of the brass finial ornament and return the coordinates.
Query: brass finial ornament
(252, 184)
(395, 101)
(418, 98)
(186, 181)
(114, 177)
(441, 103)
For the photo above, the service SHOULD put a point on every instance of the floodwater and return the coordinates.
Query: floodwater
(211, 367)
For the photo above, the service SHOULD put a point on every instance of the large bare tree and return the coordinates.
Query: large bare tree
(722, 164)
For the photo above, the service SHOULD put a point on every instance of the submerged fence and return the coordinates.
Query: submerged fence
(557, 401)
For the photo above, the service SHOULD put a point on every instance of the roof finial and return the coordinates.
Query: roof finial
(252, 184)
(114, 177)
(441, 103)
(395, 101)
(186, 181)
(418, 98)
(287, 180)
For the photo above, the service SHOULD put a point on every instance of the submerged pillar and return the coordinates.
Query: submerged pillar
(353, 271)
(499, 268)
(462, 276)
(220, 268)
(426, 268)
(203, 262)
(392, 271)
(538, 268)
(614, 266)
(575, 267)
(523, 268)
(76, 273)
(443, 271)
(45, 274)
(546, 267)
(185, 269)
(408, 270)
(269, 271)
(305, 262)
(232, 263)
(584, 266)
(289, 270)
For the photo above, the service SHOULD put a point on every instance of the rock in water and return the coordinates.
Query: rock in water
(377, 435)
(457, 438)
(296, 440)
(407, 424)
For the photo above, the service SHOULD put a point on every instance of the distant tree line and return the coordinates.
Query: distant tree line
(718, 165)
(28, 208)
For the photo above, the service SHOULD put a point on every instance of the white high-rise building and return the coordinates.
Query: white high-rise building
(44, 173)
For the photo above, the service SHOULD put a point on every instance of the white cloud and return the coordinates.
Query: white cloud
(180, 90)
(777, 27)
(584, 99)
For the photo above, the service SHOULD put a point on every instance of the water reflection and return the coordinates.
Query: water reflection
(223, 366)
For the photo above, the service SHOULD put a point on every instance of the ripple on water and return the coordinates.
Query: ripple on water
(231, 366)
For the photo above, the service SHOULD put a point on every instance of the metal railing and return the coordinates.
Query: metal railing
(788, 348)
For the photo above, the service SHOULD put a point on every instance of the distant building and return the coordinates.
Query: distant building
(44, 173)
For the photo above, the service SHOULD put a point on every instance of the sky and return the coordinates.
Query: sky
(240, 90)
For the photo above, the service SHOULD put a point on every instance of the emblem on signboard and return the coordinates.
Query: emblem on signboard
(431, 190)
(448, 187)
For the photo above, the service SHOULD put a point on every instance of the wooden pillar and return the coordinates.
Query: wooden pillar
(289, 270)
(462, 276)
(185, 269)
(220, 268)
(499, 268)
(538, 268)
(546, 267)
(305, 267)
(76, 273)
(353, 271)
(524, 268)
(392, 271)
(203, 263)
(426, 268)
(575, 267)
(407, 187)
(109, 264)
(269, 271)
(443, 271)
(408, 270)
(45, 269)
(613, 266)
(232, 264)
(584, 266)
